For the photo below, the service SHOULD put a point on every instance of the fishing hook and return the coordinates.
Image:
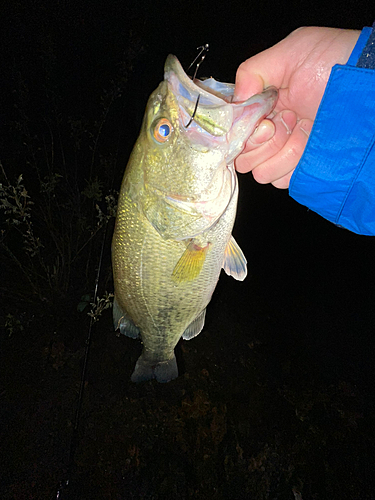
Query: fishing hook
(204, 49)
(195, 110)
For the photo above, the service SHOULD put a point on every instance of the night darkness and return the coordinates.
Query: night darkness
(276, 396)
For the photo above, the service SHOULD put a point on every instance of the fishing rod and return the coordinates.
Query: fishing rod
(64, 483)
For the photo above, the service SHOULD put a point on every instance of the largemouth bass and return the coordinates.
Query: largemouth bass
(176, 211)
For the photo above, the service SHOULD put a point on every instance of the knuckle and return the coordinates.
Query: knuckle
(241, 69)
(293, 152)
(282, 183)
(260, 175)
(275, 144)
(242, 164)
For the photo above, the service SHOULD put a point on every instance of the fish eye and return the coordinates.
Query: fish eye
(162, 130)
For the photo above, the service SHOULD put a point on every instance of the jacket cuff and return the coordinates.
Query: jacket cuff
(336, 174)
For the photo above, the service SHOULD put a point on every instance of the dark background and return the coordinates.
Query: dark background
(276, 397)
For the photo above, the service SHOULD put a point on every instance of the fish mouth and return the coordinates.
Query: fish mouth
(214, 113)
(192, 88)
(211, 104)
(212, 121)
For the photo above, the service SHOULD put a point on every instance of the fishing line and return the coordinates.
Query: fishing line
(64, 483)
(204, 49)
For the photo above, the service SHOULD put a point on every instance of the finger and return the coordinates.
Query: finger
(247, 83)
(256, 153)
(263, 133)
(260, 71)
(285, 161)
(283, 182)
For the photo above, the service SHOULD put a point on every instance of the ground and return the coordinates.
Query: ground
(275, 397)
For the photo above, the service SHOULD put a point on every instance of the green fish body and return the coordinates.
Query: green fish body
(176, 211)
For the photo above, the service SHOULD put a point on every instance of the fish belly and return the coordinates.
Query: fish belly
(143, 263)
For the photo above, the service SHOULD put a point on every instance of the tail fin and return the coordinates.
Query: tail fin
(164, 371)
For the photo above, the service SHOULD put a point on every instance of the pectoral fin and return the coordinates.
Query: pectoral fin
(235, 261)
(190, 264)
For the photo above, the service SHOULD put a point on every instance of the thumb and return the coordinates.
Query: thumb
(257, 73)
(248, 83)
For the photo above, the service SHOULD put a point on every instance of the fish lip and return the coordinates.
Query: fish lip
(173, 71)
(217, 112)
(173, 68)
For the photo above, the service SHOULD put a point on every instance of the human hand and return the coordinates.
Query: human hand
(299, 66)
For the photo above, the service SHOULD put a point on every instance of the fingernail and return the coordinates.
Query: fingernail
(288, 119)
(263, 133)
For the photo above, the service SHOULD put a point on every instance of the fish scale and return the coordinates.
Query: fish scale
(176, 210)
(159, 307)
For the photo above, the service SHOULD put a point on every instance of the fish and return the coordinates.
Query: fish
(176, 210)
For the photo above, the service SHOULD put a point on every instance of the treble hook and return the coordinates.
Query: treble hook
(204, 49)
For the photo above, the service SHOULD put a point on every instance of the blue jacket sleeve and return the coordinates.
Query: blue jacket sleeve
(336, 174)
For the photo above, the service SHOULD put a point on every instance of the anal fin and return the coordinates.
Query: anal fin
(195, 326)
